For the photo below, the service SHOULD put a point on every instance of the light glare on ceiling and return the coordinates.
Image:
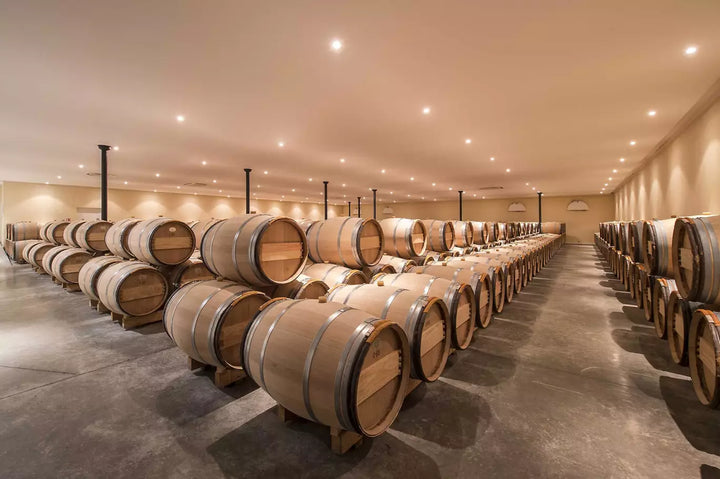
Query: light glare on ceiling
(265, 172)
(691, 50)
(81, 166)
(507, 170)
(157, 175)
(382, 171)
(59, 177)
(622, 160)
(652, 113)
(204, 162)
(125, 182)
(468, 141)
(614, 171)
(180, 118)
(426, 110)
(342, 160)
(492, 158)
(633, 142)
(116, 148)
(336, 45)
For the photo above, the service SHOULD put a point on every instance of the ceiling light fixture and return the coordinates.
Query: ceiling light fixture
(609, 178)
(47, 182)
(293, 190)
(532, 188)
(116, 148)
(343, 185)
(622, 160)
(157, 175)
(468, 141)
(450, 189)
(691, 50)
(336, 45)
(309, 179)
(265, 172)
(507, 170)
(125, 182)
(633, 142)
(204, 162)
(342, 160)
(412, 178)
(281, 144)
(426, 110)
(154, 191)
(180, 118)
(606, 184)
(614, 171)
(492, 158)
(177, 187)
(59, 177)
(433, 184)
(214, 181)
(81, 166)
(652, 113)
(382, 171)
(527, 184)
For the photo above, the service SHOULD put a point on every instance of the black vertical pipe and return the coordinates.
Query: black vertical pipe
(460, 192)
(374, 203)
(358, 206)
(325, 183)
(247, 190)
(539, 212)
(103, 181)
(349, 209)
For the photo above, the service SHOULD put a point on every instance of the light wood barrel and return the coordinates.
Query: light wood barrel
(181, 274)
(640, 281)
(329, 363)
(117, 235)
(490, 232)
(516, 264)
(509, 274)
(305, 224)
(440, 234)
(661, 295)
(436, 257)
(553, 227)
(43, 231)
(23, 230)
(259, 250)
(302, 287)
(333, 274)
(55, 231)
(132, 288)
(704, 356)
(496, 274)
(90, 272)
(69, 233)
(351, 242)
(479, 282)
(679, 316)
(25, 254)
(404, 237)
(479, 236)
(401, 265)
(66, 265)
(696, 252)
(649, 296)
(91, 236)
(458, 297)
(502, 231)
(371, 271)
(36, 253)
(199, 228)
(161, 241)
(207, 320)
(424, 319)
(464, 233)
(657, 239)
(49, 257)
(635, 240)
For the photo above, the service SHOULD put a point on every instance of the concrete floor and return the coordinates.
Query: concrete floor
(569, 381)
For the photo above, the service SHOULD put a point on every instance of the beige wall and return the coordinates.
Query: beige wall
(581, 225)
(41, 203)
(682, 178)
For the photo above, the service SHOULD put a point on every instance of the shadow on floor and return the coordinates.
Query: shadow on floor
(709, 472)
(265, 447)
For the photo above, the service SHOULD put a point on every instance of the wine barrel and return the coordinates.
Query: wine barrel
(255, 249)
(351, 242)
(181, 274)
(502, 232)
(479, 235)
(200, 228)
(661, 294)
(440, 234)
(635, 240)
(36, 253)
(55, 231)
(43, 231)
(510, 274)
(657, 240)
(49, 257)
(117, 235)
(640, 281)
(553, 227)
(648, 296)
(497, 278)
(404, 237)
(90, 272)
(401, 265)
(25, 254)
(305, 224)
(458, 297)
(161, 241)
(23, 230)
(679, 316)
(436, 257)
(480, 283)
(207, 320)
(461, 250)
(704, 356)
(302, 287)
(491, 232)
(66, 265)
(424, 319)
(350, 373)
(333, 274)
(91, 236)
(132, 288)
(696, 252)
(370, 271)
(515, 266)
(69, 233)
(464, 233)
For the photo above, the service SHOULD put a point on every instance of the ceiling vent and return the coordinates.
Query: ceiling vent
(486, 188)
(198, 185)
(95, 173)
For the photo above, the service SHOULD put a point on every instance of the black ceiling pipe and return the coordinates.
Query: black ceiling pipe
(247, 190)
(358, 206)
(374, 190)
(103, 181)
(460, 192)
(326, 206)
(539, 211)
(349, 209)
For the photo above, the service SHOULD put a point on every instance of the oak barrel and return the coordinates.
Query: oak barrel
(657, 240)
(49, 257)
(704, 356)
(404, 237)
(161, 241)
(91, 236)
(55, 230)
(696, 252)
(401, 265)
(117, 235)
(334, 274)
(69, 233)
(200, 227)
(66, 265)
(424, 319)
(90, 272)
(35, 253)
(23, 230)
(509, 275)
(679, 316)
(371, 271)
(132, 288)
(661, 295)
(181, 274)
(302, 287)
(351, 242)
(440, 234)
(207, 320)
(255, 249)
(479, 235)
(27, 248)
(464, 233)
(329, 363)
(497, 279)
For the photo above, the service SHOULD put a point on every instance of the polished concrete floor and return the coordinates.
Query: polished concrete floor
(569, 381)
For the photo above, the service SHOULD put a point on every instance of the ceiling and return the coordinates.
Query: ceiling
(553, 90)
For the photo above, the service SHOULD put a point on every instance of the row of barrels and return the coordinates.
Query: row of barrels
(672, 269)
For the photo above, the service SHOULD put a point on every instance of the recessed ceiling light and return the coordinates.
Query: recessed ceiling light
(614, 171)
(195, 193)
(606, 184)
(691, 50)
(116, 148)
(258, 186)
(177, 187)
(603, 189)
(434, 199)
(474, 195)
(382, 171)
(492, 158)
(450, 189)
(282, 196)
(204, 162)
(157, 175)
(412, 178)
(293, 190)
(609, 178)
(265, 172)
(309, 179)
(633, 142)
(219, 191)
(533, 188)
(391, 192)
(507, 170)
(336, 45)
(426, 110)
(652, 113)
(408, 196)
(81, 166)
(47, 182)
(483, 197)
(154, 191)
(342, 160)
(125, 182)
(601, 192)
(59, 177)
(433, 184)
(344, 196)
(281, 144)
(214, 181)
(468, 141)
(527, 184)
(343, 185)
(180, 118)
(622, 160)
(228, 196)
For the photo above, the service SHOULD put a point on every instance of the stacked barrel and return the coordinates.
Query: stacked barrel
(672, 267)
